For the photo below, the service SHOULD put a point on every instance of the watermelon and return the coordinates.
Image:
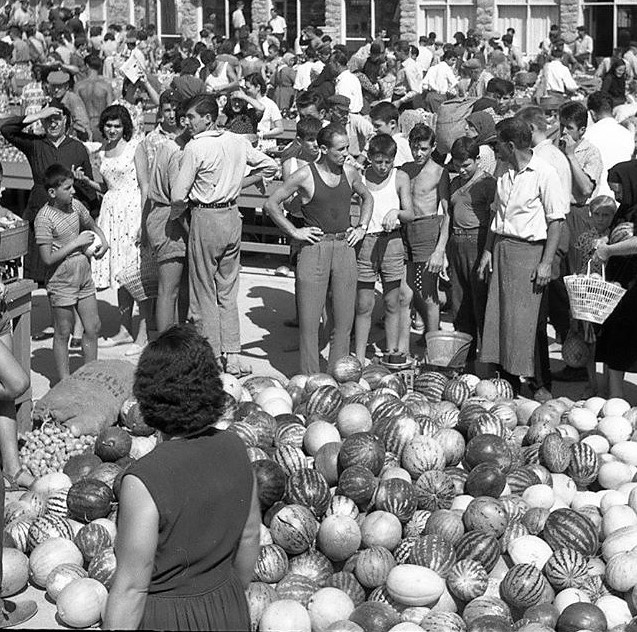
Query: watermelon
(431, 384)
(398, 497)
(566, 568)
(488, 448)
(374, 373)
(347, 582)
(294, 528)
(479, 546)
(358, 483)
(364, 449)
(568, 528)
(467, 579)
(445, 523)
(395, 425)
(313, 565)
(78, 466)
(403, 550)
(582, 616)
(89, 499)
(106, 472)
(422, 454)
(434, 490)
(290, 457)
(347, 369)
(308, 488)
(112, 443)
(584, 465)
(324, 403)
(375, 617)
(270, 482)
(434, 552)
(91, 539)
(456, 392)
(103, 566)
(485, 514)
(264, 426)
(523, 586)
(131, 417)
(486, 479)
(48, 526)
(373, 566)
(271, 565)
(296, 587)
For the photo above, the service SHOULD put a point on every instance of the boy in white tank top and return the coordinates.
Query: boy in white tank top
(381, 253)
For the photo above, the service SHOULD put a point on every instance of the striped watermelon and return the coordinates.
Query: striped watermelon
(534, 519)
(396, 496)
(394, 424)
(469, 413)
(515, 506)
(467, 579)
(514, 529)
(17, 533)
(566, 568)
(358, 483)
(103, 567)
(416, 526)
(503, 388)
(259, 596)
(247, 433)
(485, 514)
(435, 490)
(48, 526)
(519, 479)
(381, 595)
(506, 413)
(486, 606)
(342, 506)
(621, 232)
(270, 482)
(417, 404)
(271, 565)
(382, 396)
(428, 426)
(486, 423)
(325, 402)
(584, 465)
(347, 369)
(403, 550)
(443, 622)
(373, 566)
(422, 454)
(568, 528)
(396, 383)
(458, 477)
(256, 454)
(374, 373)
(91, 539)
(431, 384)
(531, 453)
(456, 391)
(290, 457)
(554, 453)
(308, 488)
(434, 552)
(296, 587)
(362, 448)
(314, 565)
(480, 546)
(447, 418)
(538, 431)
(373, 616)
(264, 425)
(289, 433)
(347, 582)
(447, 524)
(294, 528)
(56, 503)
(523, 586)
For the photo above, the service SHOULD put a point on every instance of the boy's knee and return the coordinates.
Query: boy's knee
(92, 327)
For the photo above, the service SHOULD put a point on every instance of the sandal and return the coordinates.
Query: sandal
(11, 483)
(15, 613)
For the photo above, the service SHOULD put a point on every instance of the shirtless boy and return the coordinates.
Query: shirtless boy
(426, 237)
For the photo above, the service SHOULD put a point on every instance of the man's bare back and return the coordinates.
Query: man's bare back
(97, 95)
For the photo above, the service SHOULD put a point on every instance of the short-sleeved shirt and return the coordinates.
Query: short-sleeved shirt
(470, 202)
(526, 201)
(590, 160)
(58, 228)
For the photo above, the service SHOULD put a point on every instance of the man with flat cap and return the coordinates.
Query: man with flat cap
(59, 86)
(359, 128)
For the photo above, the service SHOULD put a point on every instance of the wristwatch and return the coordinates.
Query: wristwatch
(363, 226)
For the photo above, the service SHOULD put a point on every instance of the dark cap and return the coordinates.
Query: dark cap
(339, 102)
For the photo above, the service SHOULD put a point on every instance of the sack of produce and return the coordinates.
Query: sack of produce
(90, 399)
(451, 122)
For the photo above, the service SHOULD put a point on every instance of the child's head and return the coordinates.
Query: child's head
(384, 117)
(422, 141)
(574, 119)
(307, 130)
(311, 104)
(381, 154)
(464, 156)
(602, 209)
(58, 181)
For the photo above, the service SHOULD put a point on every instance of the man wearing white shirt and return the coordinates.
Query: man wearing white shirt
(278, 24)
(346, 84)
(583, 46)
(425, 54)
(614, 141)
(409, 77)
(238, 19)
(556, 77)
(441, 78)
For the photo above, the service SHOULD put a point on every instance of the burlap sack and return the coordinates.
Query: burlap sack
(90, 399)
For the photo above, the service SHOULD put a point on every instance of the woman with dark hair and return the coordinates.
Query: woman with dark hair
(481, 127)
(120, 215)
(614, 82)
(617, 340)
(189, 518)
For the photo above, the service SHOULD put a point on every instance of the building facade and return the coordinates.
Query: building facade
(351, 21)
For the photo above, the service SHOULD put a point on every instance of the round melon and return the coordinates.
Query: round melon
(339, 537)
(353, 418)
(270, 482)
(103, 566)
(294, 528)
(375, 617)
(347, 369)
(381, 528)
(51, 483)
(78, 466)
(285, 615)
(89, 499)
(91, 539)
(364, 449)
(15, 571)
(61, 576)
(413, 585)
(259, 595)
(131, 417)
(112, 443)
(328, 605)
(51, 553)
(81, 602)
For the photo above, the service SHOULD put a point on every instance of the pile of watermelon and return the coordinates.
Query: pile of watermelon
(447, 508)
(60, 534)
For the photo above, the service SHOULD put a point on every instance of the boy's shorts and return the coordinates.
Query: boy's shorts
(381, 254)
(71, 282)
(167, 237)
(421, 237)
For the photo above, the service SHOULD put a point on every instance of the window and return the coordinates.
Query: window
(358, 19)
(445, 18)
(531, 20)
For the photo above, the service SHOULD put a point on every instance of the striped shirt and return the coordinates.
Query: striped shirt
(58, 228)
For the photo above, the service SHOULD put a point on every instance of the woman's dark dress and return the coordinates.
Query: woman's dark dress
(617, 341)
(202, 488)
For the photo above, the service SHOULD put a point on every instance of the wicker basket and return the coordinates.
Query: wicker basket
(592, 298)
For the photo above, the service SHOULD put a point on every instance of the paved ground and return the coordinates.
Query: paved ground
(266, 300)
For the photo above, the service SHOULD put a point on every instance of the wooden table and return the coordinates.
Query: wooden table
(19, 303)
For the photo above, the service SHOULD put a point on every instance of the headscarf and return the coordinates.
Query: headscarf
(485, 126)
(625, 173)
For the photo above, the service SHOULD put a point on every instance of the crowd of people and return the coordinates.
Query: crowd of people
(466, 169)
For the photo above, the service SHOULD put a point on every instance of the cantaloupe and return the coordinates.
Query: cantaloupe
(80, 604)
(285, 615)
(328, 605)
(413, 585)
(15, 571)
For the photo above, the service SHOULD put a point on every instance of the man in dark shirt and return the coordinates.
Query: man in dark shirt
(41, 152)
(75, 24)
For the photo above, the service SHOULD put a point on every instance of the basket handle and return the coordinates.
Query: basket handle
(588, 270)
